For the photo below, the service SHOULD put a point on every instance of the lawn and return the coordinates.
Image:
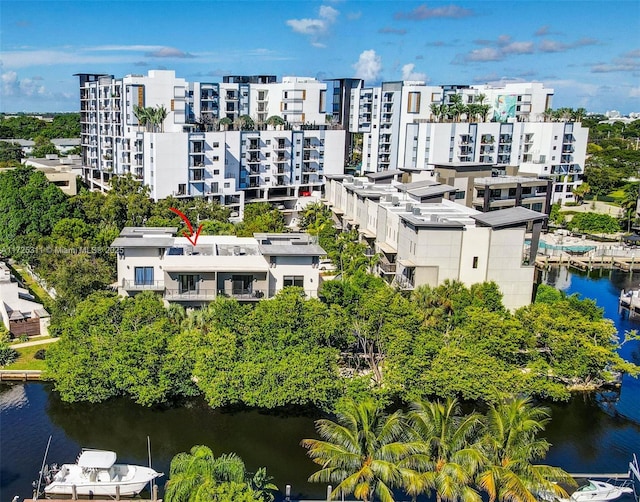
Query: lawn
(26, 359)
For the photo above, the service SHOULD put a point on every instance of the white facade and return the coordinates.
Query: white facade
(430, 242)
(245, 268)
(230, 166)
(400, 131)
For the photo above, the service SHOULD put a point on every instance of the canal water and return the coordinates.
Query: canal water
(591, 433)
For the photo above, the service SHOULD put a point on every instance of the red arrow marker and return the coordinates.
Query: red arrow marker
(192, 238)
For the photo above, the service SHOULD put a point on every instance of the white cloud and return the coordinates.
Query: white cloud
(484, 54)
(634, 92)
(369, 65)
(409, 74)
(315, 28)
(14, 86)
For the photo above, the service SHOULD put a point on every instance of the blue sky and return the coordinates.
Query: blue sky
(588, 51)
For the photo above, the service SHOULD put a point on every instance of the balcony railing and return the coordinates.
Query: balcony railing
(144, 286)
(179, 295)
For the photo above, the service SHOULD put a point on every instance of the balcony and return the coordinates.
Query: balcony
(177, 295)
(387, 267)
(147, 286)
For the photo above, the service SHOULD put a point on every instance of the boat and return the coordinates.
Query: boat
(599, 491)
(96, 473)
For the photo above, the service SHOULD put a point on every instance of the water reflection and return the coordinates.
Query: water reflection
(591, 433)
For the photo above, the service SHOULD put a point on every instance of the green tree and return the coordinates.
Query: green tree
(512, 448)
(200, 476)
(43, 147)
(447, 460)
(10, 152)
(361, 452)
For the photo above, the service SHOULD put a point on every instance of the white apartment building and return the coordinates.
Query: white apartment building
(188, 156)
(400, 131)
(245, 268)
(429, 242)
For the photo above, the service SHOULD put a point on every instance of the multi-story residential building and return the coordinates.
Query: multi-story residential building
(429, 242)
(401, 131)
(186, 155)
(245, 268)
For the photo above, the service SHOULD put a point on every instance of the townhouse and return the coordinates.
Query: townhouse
(424, 237)
(245, 268)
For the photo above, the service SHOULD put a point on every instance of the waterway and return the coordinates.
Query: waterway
(591, 433)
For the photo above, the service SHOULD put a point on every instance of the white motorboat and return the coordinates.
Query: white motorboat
(96, 473)
(599, 491)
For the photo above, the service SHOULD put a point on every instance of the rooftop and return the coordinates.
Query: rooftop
(511, 217)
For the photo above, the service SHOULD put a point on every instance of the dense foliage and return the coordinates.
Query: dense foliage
(435, 449)
(62, 125)
(200, 476)
(594, 223)
(66, 239)
(360, 339)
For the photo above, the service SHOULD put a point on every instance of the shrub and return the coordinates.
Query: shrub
(7, 353)
(40, 354)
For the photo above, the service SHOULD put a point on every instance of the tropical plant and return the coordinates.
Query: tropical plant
(447, 460)
(158, 115)
(143, 115)
(438, 110)
(511, 446)
(7, 353)
(193, 476)
(275, 120)
(361, 452)
(456, 107)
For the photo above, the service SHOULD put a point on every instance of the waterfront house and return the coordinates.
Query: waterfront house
(245, 268)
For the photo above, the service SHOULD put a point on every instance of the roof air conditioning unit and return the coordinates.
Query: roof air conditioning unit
(416, 211)
(409, 207)
(395, 201)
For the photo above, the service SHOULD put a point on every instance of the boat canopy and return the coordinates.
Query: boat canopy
(97, 459)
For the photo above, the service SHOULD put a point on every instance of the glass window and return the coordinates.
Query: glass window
(475, 262)
(143, 276)
(294, 280)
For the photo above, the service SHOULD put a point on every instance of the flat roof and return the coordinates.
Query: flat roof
(513, 216)
(432, 191)
(498, 180)
(381, 175)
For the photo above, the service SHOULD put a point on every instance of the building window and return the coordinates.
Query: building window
(143, 276)
(413, 104)
(460, 194)
(188, 283)
(512, 192)
(227, 185)
(293, 280)
(216, 171)
(216, 158)
(475, 262)
(215, 144)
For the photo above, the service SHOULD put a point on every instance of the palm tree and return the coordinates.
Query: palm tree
(447, 461)
(511, 446)
(438, 110)
(142, 114)
(456, 106)
(361, 452)
(159, 114)
(194, 475)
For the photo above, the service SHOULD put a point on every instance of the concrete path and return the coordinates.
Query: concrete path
(32, 343)
(600, 207)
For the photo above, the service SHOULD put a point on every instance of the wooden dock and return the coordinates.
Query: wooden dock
(20, 375)
(588, 263)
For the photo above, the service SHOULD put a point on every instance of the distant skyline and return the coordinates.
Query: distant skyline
(587, 51)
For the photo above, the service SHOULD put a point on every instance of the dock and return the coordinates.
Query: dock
(20, 375)
(588, 263)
